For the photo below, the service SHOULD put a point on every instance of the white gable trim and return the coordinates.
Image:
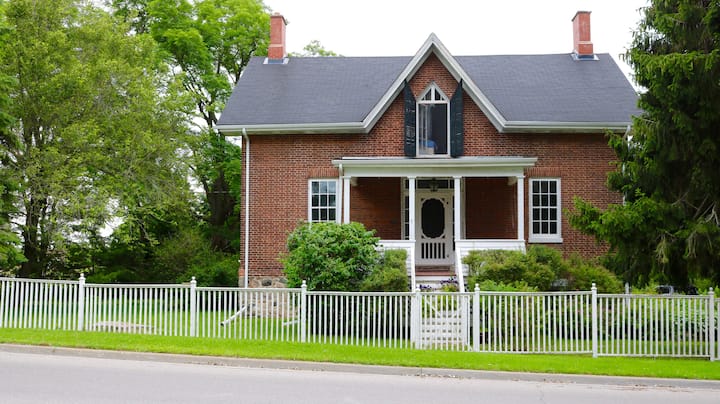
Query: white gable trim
(433, 46)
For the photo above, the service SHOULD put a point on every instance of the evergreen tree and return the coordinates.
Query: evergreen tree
(668, 229)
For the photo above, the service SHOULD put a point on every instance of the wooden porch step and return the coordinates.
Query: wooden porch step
(434, 271)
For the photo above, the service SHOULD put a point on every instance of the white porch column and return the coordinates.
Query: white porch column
(456, 231)
(456, 208)
(521, 207)
(411, 208)
(346, 199)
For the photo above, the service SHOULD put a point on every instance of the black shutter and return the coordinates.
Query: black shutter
(409, 121)
(456, 122)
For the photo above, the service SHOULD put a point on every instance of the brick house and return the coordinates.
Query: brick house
(440, 154)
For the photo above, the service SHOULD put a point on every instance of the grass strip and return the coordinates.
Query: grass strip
(701, 369)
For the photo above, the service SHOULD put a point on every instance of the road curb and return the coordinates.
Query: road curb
(363, 369)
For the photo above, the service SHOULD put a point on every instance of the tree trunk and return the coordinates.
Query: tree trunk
(32, 268)
(221, 205)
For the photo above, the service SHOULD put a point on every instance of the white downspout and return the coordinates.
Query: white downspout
(247, 206)
(340, 218)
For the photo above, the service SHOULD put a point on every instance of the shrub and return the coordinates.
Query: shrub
(513, 269)
(537, 270)
(581, 274)
(215, 269)
(330, 256)
(492, 286)
(390, 275)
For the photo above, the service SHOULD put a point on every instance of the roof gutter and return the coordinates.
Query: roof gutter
(295, 128)
(562, 127)
(364, 128)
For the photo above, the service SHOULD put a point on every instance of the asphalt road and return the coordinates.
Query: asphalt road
(57, 376)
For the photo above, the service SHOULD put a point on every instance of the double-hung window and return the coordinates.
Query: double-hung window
(433, 115)
(545, 205)
(322, 200)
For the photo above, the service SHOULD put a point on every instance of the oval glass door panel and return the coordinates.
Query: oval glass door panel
(433, 218)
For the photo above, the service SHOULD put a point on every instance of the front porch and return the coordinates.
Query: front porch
(462, 249)
(438, 210)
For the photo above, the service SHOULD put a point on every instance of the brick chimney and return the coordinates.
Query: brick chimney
(582, 45)
(277, 50)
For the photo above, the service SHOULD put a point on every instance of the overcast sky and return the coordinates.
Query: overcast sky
(465, 27)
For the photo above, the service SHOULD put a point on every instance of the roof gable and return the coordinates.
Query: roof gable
(433, 46)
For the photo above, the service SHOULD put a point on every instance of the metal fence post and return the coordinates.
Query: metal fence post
(594, 321)
(476, 319)
(193, 307)
(712, 338)
(81, 303)
(303, 312)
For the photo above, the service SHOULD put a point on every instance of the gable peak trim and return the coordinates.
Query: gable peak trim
(433, 45)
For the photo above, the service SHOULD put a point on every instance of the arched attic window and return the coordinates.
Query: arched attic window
(424, 127)
(433, 118)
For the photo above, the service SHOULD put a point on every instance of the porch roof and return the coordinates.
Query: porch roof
(484, 166)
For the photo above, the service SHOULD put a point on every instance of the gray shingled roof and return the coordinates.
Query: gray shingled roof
(553, 88)
(537, 88)
(310, 90)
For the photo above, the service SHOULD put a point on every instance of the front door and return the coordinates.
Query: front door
(434, 227)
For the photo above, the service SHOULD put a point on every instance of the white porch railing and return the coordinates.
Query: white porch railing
(567, 322)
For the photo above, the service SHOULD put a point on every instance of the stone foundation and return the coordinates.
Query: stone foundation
(267, 282)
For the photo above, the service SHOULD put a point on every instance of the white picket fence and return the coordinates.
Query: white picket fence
(510, 322)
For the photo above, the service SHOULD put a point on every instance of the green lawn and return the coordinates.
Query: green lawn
(570, 364)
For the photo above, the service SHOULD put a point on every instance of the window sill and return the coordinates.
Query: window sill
(545, 239)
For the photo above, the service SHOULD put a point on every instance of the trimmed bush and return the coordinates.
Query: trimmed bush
(330, 256)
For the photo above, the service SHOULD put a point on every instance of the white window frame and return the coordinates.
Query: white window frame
(310, 194)
(433, 89)
(541, 237)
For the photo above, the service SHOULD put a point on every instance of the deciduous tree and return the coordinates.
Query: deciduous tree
(208, 43)
(93, 137)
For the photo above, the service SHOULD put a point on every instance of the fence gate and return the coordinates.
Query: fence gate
(445, 321)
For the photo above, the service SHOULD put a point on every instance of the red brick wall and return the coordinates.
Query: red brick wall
(490, 208)
(376, 203)
(282, 164)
